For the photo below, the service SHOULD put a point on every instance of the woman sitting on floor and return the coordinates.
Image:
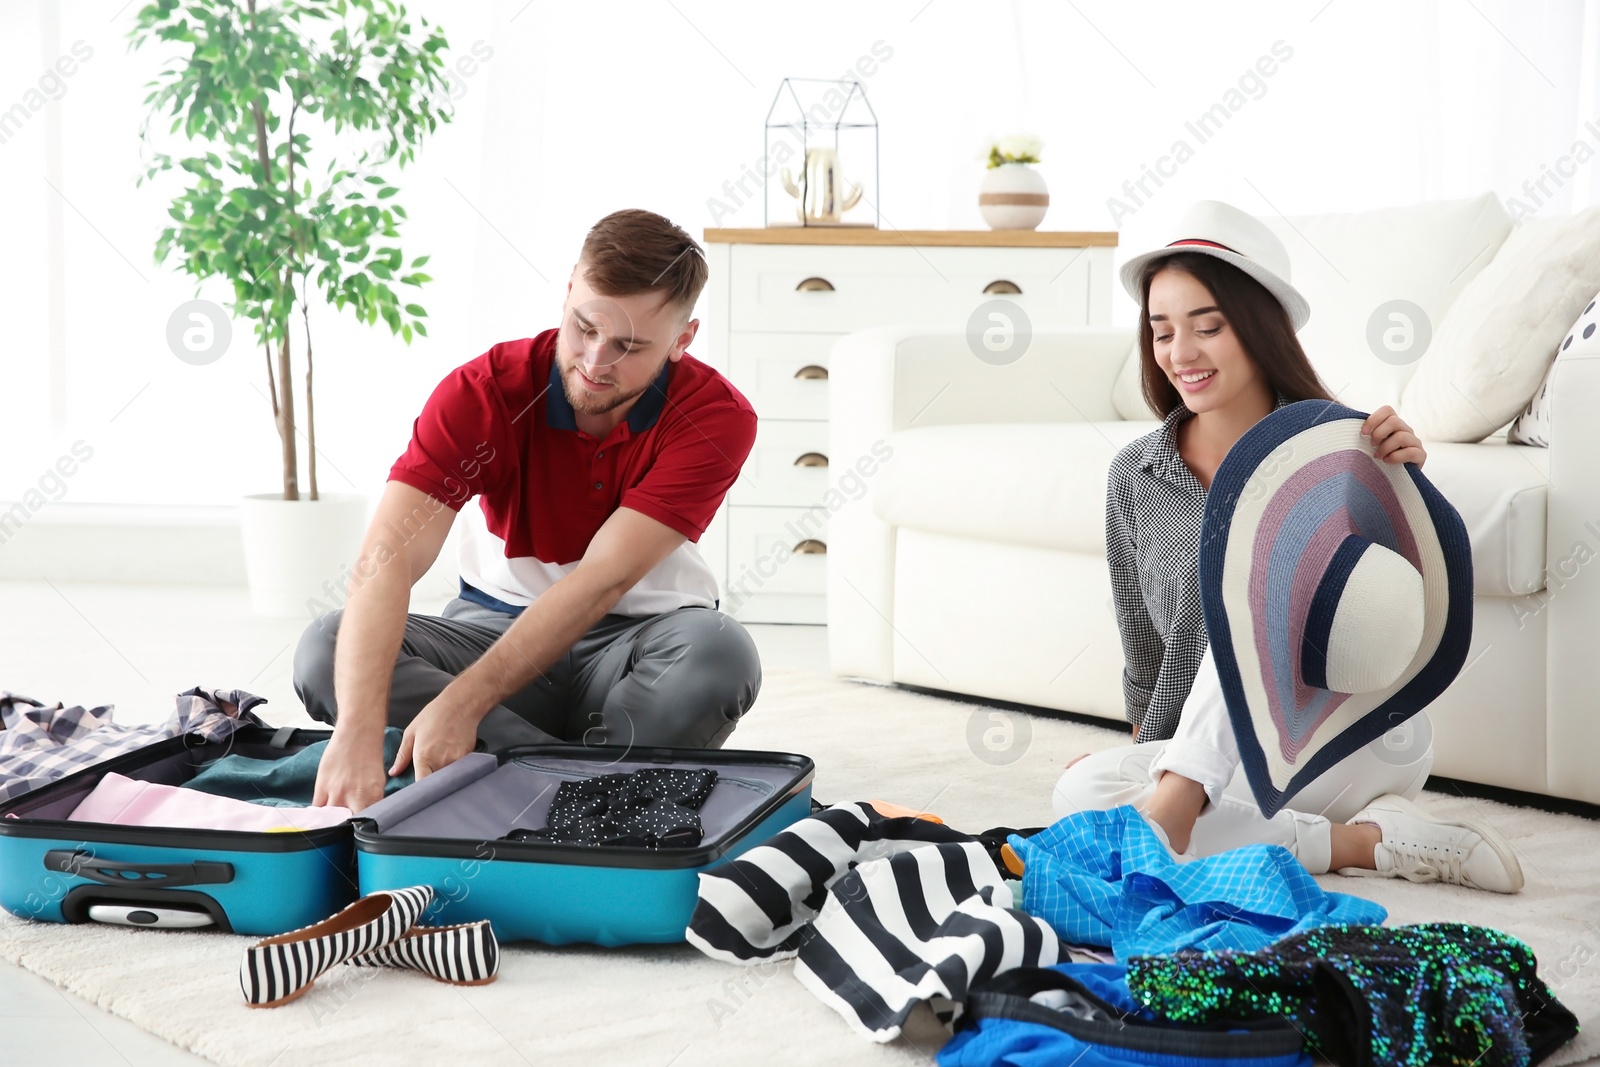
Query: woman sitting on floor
(1219, 354)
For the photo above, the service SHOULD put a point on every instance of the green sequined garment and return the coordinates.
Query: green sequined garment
(1375, 996)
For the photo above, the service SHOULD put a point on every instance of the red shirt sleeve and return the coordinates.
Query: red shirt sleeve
(698, 462)
(456, 439)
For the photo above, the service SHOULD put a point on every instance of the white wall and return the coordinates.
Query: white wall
(585, 108)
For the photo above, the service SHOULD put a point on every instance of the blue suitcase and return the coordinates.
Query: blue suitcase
(57, 870)
(449, 831)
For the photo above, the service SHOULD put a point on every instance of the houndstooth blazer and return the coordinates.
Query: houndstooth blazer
(1154, 508)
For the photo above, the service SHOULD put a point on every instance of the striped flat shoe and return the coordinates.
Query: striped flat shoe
(467, 954)
(277, 970)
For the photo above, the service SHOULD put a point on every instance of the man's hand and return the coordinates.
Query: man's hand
(441, 733)
(1392, 440)
(350, 775)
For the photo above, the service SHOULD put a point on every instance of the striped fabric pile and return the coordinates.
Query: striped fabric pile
(879, 913)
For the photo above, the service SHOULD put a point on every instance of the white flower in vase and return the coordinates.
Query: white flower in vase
(1013, 195)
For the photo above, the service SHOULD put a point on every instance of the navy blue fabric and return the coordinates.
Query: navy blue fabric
(1104, 878)
(1324, 606)
(558, 409)
(1003, 1027)
(1232, 482)
(482, 599)
(1108, 981)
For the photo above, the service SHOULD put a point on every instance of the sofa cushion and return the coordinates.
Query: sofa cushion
(1532, 427)
(1494, 347)
(1044, 485)
(1127, 395)
(1350, 265)
(1501, 492)
(1039, 484)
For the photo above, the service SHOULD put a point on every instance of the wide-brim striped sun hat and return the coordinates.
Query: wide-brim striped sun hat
(1337, 591)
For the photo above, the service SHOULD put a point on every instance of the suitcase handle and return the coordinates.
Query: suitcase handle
(151, 875)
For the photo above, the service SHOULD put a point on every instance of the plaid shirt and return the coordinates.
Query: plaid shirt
(40, 744)
(1154, 509)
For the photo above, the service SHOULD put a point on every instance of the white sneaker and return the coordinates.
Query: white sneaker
(1421, 848)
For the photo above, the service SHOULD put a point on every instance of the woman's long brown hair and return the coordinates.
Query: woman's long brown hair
(1254, 314)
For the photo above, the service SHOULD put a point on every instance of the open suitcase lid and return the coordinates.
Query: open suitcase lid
(467, 809)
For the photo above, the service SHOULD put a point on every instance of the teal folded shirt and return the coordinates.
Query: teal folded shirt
(284, 783)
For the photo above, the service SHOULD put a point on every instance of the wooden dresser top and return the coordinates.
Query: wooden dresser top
(866, 235)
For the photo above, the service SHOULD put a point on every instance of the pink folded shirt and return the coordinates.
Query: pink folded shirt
(122, 801)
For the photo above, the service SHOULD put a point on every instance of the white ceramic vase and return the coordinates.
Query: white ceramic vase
(298, 553)
(1013, 196)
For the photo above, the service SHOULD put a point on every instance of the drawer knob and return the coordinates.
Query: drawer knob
(814, 285)
(1001, 285)
(812, 459)
(811, 547)
(812, 372)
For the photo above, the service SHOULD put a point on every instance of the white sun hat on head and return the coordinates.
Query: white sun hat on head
(1213, 228)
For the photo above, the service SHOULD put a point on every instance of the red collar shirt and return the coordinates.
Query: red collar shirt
(500, 428)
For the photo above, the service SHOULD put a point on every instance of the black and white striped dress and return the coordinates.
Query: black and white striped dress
(880, 914)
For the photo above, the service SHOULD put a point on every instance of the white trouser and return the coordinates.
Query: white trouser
(1204, 749)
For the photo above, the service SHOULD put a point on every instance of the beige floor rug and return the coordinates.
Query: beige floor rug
(665, 1005)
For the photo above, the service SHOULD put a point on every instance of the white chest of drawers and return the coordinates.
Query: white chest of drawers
(776, 301)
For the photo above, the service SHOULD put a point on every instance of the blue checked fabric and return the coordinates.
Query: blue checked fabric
(1104, 878)
(40, 744)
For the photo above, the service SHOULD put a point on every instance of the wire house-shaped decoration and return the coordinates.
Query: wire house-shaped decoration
(821, 144)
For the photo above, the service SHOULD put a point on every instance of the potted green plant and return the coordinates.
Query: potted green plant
(294, 113)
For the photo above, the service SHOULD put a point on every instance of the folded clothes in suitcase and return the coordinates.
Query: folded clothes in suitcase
(473, 832)
(59, 870)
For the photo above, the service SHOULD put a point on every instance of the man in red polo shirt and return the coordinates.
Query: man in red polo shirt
(598, 452)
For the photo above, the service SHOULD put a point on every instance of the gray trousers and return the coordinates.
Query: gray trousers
(682, 678)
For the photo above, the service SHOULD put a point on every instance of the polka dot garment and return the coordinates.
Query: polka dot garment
(652, 808)
(1532, 427)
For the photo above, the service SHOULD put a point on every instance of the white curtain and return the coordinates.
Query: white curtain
(567, 112)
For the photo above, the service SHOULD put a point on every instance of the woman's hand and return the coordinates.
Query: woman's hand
(1392, 440)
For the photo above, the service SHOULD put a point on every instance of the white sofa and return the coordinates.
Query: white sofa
(975, 564)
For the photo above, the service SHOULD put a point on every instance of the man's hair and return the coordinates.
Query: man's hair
(637, 251)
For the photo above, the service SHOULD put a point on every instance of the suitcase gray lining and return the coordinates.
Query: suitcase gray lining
(473, 800)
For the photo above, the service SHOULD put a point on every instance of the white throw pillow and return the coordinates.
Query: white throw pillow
(1533, 425)
(1127, 395)
(1351, 266)
(1495, 341)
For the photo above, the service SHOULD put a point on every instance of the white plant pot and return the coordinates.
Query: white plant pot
(296, 551)
(1013, 196)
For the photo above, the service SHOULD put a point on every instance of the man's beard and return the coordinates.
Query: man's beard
(585, 402)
